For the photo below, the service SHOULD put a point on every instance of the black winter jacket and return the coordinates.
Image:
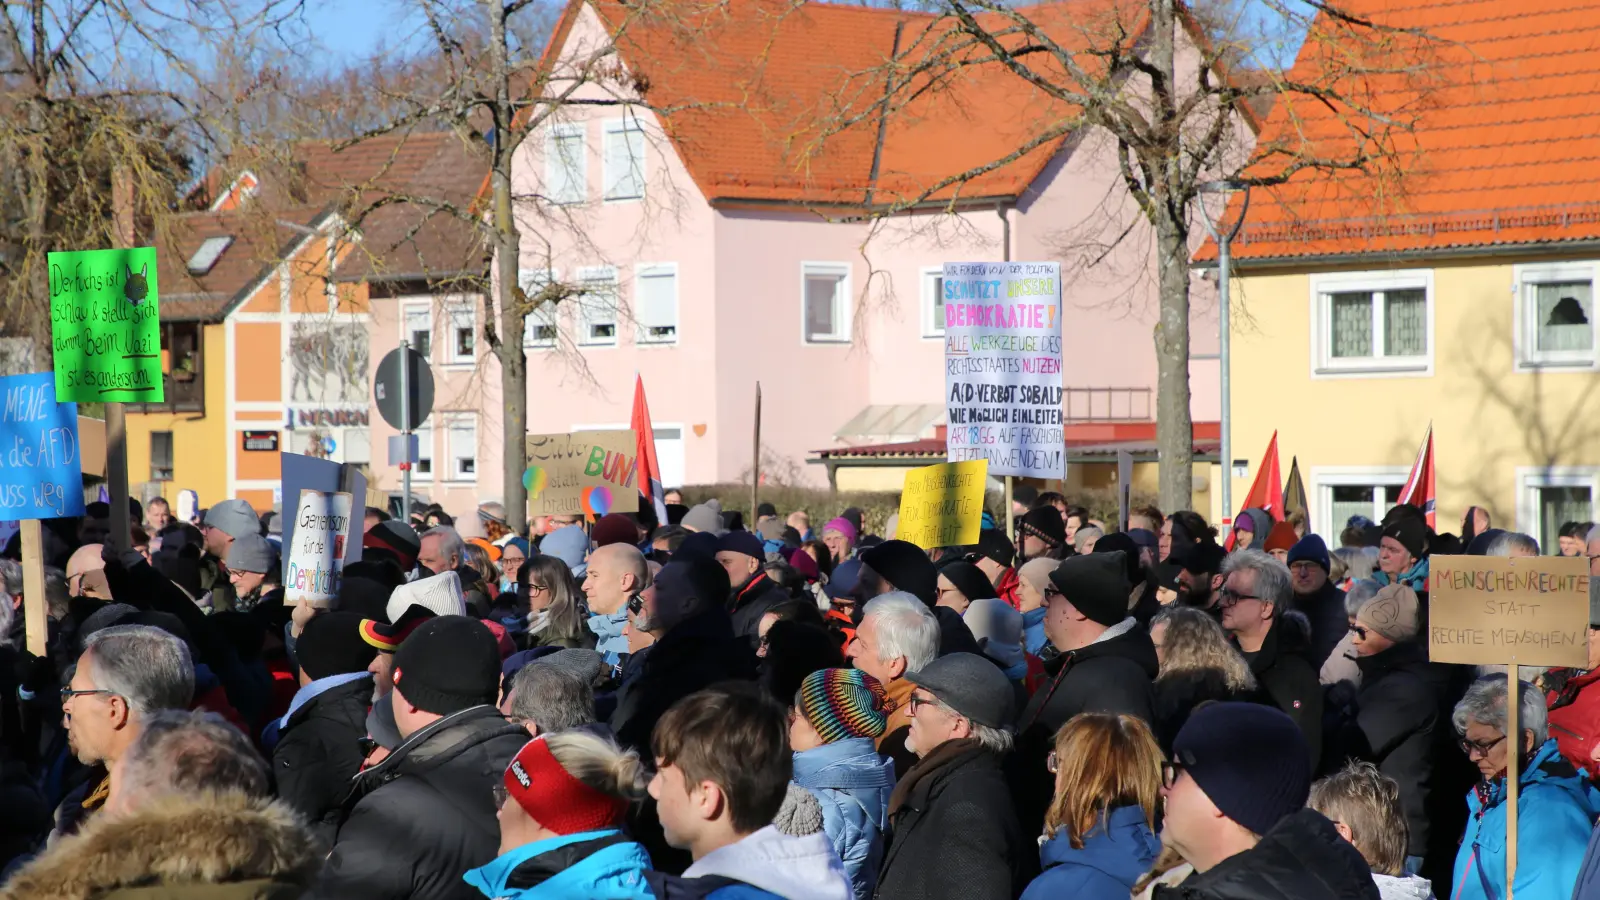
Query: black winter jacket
(1283, 669)
(1324, 610)
(416, 822)
(747, 604)
(1301, 858)
(317, 754)
(954, 832)
(1111, 676)
(1395, 722)
(1174, 697)
(695, 654)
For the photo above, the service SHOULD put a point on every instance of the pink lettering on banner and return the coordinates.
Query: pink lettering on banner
(1012, 316)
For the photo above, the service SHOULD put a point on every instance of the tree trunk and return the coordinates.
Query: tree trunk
(1174, 430)
(507, 252)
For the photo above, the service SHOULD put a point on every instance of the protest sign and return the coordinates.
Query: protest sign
(585, 473)
(317, 554)
(942, 505)
(1002, 358)
(307, 473)
(1489, 610)
(40, 465)
(105, 326)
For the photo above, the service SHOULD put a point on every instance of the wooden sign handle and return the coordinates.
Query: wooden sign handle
(1513, 755)
(34, 621)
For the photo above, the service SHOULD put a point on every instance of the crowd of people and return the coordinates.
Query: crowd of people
(710, 708)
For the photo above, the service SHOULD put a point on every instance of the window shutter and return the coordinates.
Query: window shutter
(655, 306)
(624, 163)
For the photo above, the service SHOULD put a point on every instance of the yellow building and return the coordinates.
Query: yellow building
(1459, 293)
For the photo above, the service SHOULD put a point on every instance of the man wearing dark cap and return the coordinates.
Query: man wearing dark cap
(417, 821)
(1235, 794)
(1200, 575)
(954, 831)
(317, 750)
(253, 572)
(903, 566)
(1254, 596)
(224, 523)
(1106, 664)
(1318, 598)
(994, 557)
(1403, 550)
(1043, 533)
(743, 556)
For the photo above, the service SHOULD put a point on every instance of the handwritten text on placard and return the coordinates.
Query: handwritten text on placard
(1485, 610)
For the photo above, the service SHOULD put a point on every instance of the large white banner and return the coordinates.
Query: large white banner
(1002, 363)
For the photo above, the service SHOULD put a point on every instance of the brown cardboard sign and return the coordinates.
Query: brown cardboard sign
(1486, 610)
(585, 473)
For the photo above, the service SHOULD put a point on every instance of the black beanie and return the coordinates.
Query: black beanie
(1045, 522)
(331, 644)
(907, 567)
(968, 579)
(1096, 585)
(448, 664)
(1119, 542)
(1412, 534)
(993, 544)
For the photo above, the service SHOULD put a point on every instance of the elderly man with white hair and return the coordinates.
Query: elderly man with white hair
(443, 550)
(898, 635)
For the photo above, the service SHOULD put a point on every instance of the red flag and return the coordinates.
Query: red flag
(1419, 490)
(649, 470)
(1266, 492)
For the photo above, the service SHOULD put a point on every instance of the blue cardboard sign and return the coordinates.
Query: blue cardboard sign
(41, 472)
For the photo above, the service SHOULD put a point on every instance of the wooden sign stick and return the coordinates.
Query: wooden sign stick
(34, 621)
(1513, 754)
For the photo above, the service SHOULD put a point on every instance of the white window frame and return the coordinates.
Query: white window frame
(425, 451)
(842, 303)
(1530, 479)
(531, 280)
(457, 313)
(655, 270)
(552, 159)
(1526, 278)
(621, 126)
(1325, 478)
(1323, 362)
(598, 275)
(932, 328)
(454, 422)
(408, 307)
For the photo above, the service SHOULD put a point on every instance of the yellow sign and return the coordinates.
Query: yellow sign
(585, 473)
(1487, 610)
(942, 505)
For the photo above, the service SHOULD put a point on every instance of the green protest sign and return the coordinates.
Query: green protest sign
(104, 326)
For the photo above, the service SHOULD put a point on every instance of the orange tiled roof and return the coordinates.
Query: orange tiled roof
(1506, 106)
(754, 94)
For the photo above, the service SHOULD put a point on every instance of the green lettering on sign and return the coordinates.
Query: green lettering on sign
(105, 326)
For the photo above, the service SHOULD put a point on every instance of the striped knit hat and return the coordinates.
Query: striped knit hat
(843, 703)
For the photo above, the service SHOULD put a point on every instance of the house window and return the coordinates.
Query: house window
(624, 159)
(1548, 498)
(669, 453)
(463, 336)
(933, 303)
(539, 328)
(826, 300)
(597, 308)
(1374, 322)
(418, 328)
(461, 443)
(423, 470)
(655, 304)
(161, 456)
(1338, 494)
(566, 165)
(1555, 316)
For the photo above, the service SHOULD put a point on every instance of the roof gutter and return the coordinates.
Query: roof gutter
(1495, 251)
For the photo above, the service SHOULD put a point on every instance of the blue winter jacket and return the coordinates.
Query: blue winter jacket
(587, 864)
(1556, 808)
(852, 783)
(1115, 854)
(1033, 636)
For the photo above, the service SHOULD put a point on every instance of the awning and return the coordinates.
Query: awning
(891, 423)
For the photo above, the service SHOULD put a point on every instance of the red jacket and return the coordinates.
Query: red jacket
(1007, 589)
(1575, 719)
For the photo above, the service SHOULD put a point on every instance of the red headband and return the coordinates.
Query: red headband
(555, 799)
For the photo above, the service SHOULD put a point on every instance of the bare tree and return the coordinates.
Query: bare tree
(1122, 69)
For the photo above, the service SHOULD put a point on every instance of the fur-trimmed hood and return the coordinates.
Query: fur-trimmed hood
(226, 845)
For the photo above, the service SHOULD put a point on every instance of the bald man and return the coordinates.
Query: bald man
(86, 573)
(616, 573)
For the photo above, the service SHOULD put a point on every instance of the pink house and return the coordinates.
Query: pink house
(722, 243)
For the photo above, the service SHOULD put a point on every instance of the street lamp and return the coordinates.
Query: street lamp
(1225, 300)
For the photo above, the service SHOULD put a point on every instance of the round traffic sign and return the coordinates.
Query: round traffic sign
(419, 384)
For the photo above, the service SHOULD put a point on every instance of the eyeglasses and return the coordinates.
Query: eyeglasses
(919, 702)
(1051, 764)
(1228, 597)
(68, 693)
(1479, 747)
(1169, 774)
(1358, 631)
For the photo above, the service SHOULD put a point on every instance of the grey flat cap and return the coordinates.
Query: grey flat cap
(234, 518)
(970, 685)
(252, 553)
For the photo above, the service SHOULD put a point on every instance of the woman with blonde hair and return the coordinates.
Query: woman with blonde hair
(1198, 663)
(562, 801)
(1099, 833)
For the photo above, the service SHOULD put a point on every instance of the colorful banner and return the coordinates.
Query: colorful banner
(41, 473)
(105, 326)
(1002, 362)
(317, 548)
(585, 473)
(942, 505)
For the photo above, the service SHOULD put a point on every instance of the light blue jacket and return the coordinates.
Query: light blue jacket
(1556, 809)
(852, 783)
(563, 867)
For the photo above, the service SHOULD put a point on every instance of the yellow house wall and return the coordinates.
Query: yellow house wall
(1488, 418)
(199, 457)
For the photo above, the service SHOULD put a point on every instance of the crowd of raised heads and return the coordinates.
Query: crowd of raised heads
(704, 705)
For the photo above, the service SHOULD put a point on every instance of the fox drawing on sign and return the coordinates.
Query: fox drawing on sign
(136, 286)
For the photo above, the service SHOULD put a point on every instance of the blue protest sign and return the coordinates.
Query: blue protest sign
(41, 473)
